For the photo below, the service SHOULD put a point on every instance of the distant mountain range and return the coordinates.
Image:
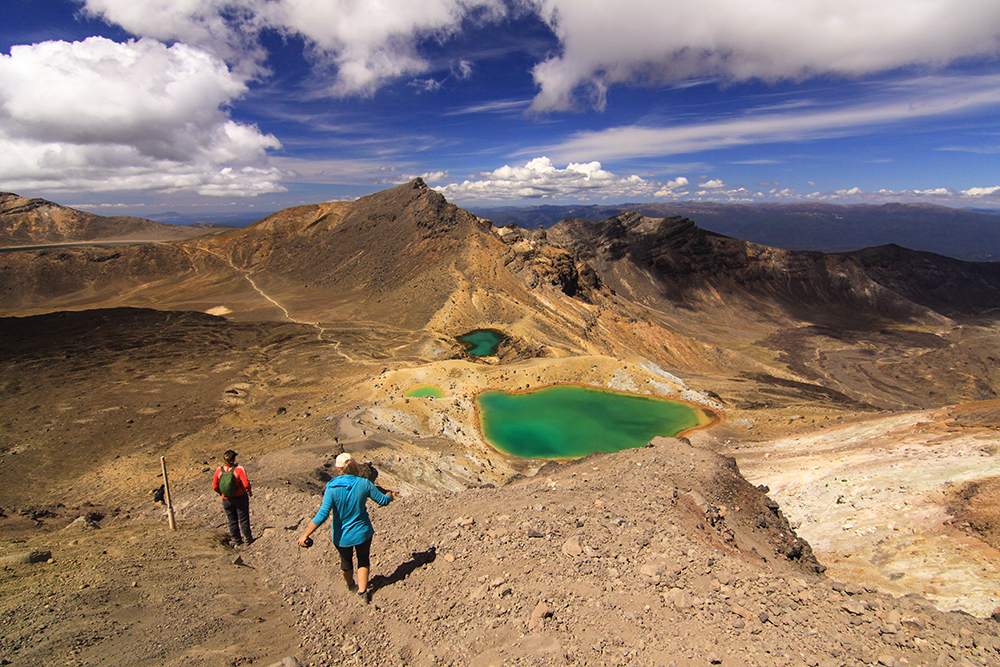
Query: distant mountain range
(959, 233)
(830, 228)
(212, 220)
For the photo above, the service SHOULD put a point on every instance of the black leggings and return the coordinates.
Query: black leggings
(237, 510)
(363, 550)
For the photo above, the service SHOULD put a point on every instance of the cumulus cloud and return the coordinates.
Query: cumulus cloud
(676, 40)
(103, 115)
(856, 195)
(982, 192)
(434, 176)
(364, 43)
(226, 29)
(670, 189)
(540, 179)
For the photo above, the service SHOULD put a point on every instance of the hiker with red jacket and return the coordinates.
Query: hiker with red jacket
(232, 484)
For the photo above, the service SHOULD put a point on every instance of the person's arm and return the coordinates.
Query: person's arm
(309, 531)
(241, 472)
(215, 480)
(320, 518)
(378, 496)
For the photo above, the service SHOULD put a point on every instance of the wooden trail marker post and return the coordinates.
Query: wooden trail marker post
(166, 495)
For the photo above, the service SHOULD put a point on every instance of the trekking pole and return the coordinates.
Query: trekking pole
(166, 495)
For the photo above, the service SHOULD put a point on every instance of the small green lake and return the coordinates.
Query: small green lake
(570, 421)
(482, 342)
(425, 390)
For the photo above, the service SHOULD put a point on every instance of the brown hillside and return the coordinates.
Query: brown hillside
(834, 379)
(26, 222)
(768, 325)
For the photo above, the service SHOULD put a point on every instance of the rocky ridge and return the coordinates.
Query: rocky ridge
(28, 222)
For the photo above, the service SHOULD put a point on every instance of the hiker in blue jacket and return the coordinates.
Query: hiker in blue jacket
(345, 502)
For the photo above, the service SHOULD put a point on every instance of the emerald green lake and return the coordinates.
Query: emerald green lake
(423, 390)
(482, 342)
(569, 421)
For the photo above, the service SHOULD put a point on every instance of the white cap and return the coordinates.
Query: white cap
(342, 459)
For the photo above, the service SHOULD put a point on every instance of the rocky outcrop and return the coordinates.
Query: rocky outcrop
(689, 266)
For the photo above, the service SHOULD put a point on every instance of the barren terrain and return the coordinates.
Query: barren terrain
(868, 409)
(882, 502)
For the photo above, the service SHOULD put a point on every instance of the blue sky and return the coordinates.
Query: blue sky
(219, 106)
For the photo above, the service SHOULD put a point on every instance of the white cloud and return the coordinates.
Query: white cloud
(227, 29)
(496, 107)
(853, 191)
(671, 187)
(101, 115)
(365, 43)
(434, 176)
(856, 195)
(909, 101)
(539, 178)
(464, 69)
(982, 192)
(675, 40)
(426, 85)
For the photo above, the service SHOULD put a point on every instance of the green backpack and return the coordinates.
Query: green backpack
(229, 484)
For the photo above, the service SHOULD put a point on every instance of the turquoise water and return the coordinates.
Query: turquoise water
(569, 421)
(482, 342)
(423, 390)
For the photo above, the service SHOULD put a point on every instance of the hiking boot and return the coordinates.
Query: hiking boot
(353, 587)
(365, 596)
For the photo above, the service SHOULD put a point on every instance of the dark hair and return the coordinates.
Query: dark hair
(229, 456)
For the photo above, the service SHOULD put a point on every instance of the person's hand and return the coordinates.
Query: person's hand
(304, 543)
